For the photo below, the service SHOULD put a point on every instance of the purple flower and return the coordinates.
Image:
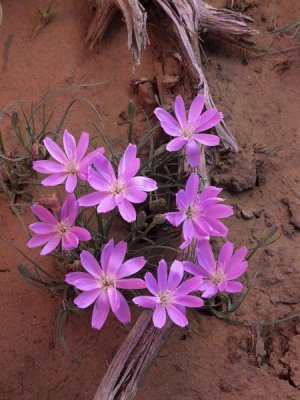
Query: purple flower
(170, 296)
(118, 191)
(50, 231)
(199, 212)
(187, 130)
(220, 275)
(70, 163)
(100, 283)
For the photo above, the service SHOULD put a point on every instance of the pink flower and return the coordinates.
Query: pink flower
(101, 282)
(118, 191)
(218, 276)
(70, 163)
(186, 130)
(199, 212)
(50, 231)
(170, 296)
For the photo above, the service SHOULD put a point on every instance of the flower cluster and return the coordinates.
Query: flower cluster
(186, 284)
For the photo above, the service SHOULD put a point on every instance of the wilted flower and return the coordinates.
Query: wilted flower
(186, 130)
(199, 213)
(70, 163)
(220, 275)
(51, 231)
(119, 191)
(170, 296)
(101, 282)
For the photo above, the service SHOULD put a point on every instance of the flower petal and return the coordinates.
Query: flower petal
(55, 151)
(42, 228)
(131, 283)
(181, 200)
(225, 254)
(209, 289)
(100, 311)
(234, 287)
(106, 253)
(219, 211)
(90, 264)
(190, 285)
(39, 240)
(192, 187)
(43, 214)
(237, 258)
(151, 283)
(114, 299)
(168, 122)
(91, 199)
(196, 109)
(135, 196)
(162, 275)
(104, 168)
(236, 270)
(145, 301)
(55, 179)
(69, 145)
(48, 167)
(127, 210)
(219, 228)
(129, 163)
(159, 316)
(85, 299)
(142, 183)
(131, 266)
(179, 109)
(177, 316)
(195, 269)
(69, 210)
(107, 204)
(96, 181)
(123, 313)
(175, 275)
(175, 218)
(72, 277)
(205, 255)
(71, 183)
(87, 284)
(51, 245)
(209, 119)
(206, 139)
(81, 233)
(69, 241)
(87, 161)
(82, 145)
(193, 153)
(208, 192)
(189, 301)
(176, 144)
(116, 258)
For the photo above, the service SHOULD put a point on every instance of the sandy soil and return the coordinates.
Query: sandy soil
(212, 359)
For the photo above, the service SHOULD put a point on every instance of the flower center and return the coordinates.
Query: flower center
(62, 228)
(218, 276)
(165, 297)
(107, 282)
(117, 188)
(72, 167)
(186, 133)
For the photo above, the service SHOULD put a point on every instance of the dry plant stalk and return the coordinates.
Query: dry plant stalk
(134, 358)
(187, 16)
